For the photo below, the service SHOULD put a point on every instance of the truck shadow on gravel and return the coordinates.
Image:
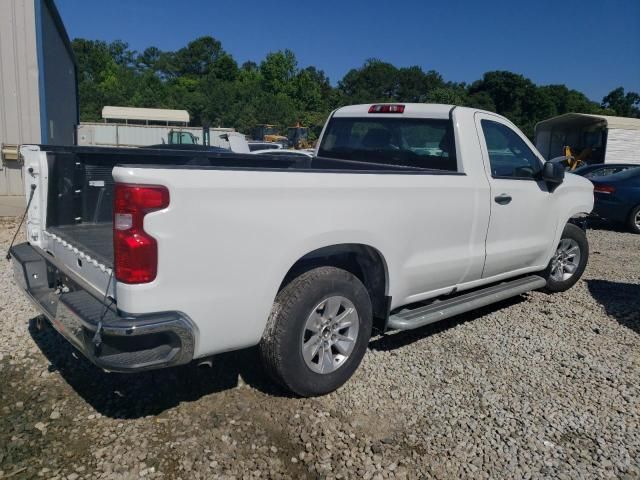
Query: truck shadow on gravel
(620, 300)
(129, 396)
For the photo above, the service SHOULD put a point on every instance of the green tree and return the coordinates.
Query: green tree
(198, 57)
(624, 105)
(278, 71)
(375, 81)
(566, 100)
(207, 81)
(224, 68)
(481, 100)
(517, 98)
(511, 93)
(447, 95)
(414, 85)
(104, 76)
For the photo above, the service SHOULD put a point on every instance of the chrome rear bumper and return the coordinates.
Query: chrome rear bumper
(111, 339)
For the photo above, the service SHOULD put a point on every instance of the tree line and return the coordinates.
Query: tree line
(205, 80)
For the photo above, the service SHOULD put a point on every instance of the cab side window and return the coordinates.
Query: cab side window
(509, 156)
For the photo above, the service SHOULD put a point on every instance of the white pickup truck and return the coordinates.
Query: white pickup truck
(406, 215)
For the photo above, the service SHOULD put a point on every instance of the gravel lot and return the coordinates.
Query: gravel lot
(540, 386)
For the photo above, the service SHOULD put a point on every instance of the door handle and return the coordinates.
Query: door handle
(503, 199)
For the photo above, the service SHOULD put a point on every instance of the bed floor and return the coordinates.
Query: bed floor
(94, 239)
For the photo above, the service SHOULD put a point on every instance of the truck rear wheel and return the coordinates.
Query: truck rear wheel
(568, 261)
(318, 331)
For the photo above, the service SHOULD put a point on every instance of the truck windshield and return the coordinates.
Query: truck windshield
(421, 143)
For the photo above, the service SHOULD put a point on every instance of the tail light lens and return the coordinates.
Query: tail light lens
(608, 189)
(386, 108)
(135, 251)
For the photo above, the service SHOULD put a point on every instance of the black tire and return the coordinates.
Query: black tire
(575, 233)
(632, 223)
(281, 344)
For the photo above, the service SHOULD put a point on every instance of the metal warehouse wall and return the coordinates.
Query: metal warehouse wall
(38, 91)
(19, 109)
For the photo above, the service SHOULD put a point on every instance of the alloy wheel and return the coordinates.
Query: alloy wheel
(566, 260)
(330, 334)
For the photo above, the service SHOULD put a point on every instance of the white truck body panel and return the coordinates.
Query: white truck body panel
(408, 218)
(229, 236)
(251, 249)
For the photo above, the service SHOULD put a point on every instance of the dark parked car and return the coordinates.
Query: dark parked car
(617, 197)
(603, 169)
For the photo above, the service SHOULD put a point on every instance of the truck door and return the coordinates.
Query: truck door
(522, 223)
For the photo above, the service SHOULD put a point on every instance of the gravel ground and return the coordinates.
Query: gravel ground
(540, 386)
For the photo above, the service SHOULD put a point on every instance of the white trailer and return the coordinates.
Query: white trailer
(161, 116)
(141, 127)
(601, 138)
(127, 135)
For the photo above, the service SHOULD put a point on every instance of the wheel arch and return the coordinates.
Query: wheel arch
(576, 216)
(363, 261)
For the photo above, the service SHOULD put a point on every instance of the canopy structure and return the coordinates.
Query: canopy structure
(587, 119)
(145, 115)
(597, 138)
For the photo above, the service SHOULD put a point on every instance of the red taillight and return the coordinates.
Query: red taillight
(135, 251)
(386, 108)
(604, 189)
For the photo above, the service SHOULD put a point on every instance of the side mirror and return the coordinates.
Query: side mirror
(553, 174)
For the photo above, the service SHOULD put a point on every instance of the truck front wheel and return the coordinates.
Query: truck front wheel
(318, 331)
(568, 261)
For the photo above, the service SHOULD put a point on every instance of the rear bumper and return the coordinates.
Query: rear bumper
(109, 338)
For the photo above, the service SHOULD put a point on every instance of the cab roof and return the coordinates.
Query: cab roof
(423, 110)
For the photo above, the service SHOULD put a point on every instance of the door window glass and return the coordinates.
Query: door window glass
(509, 156)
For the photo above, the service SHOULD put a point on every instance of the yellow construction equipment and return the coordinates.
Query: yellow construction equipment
(574, 161)
(268, 133)
(298, 136)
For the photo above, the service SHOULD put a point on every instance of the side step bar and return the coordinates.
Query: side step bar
(441, 309)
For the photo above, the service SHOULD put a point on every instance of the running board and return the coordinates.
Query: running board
(441, 309)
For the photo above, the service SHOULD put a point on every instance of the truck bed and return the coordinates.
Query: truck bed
(96, 240)
(80, 193)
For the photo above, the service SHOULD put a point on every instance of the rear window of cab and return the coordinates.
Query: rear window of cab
(410, 142)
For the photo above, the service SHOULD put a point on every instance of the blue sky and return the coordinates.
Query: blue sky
(590, 45)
